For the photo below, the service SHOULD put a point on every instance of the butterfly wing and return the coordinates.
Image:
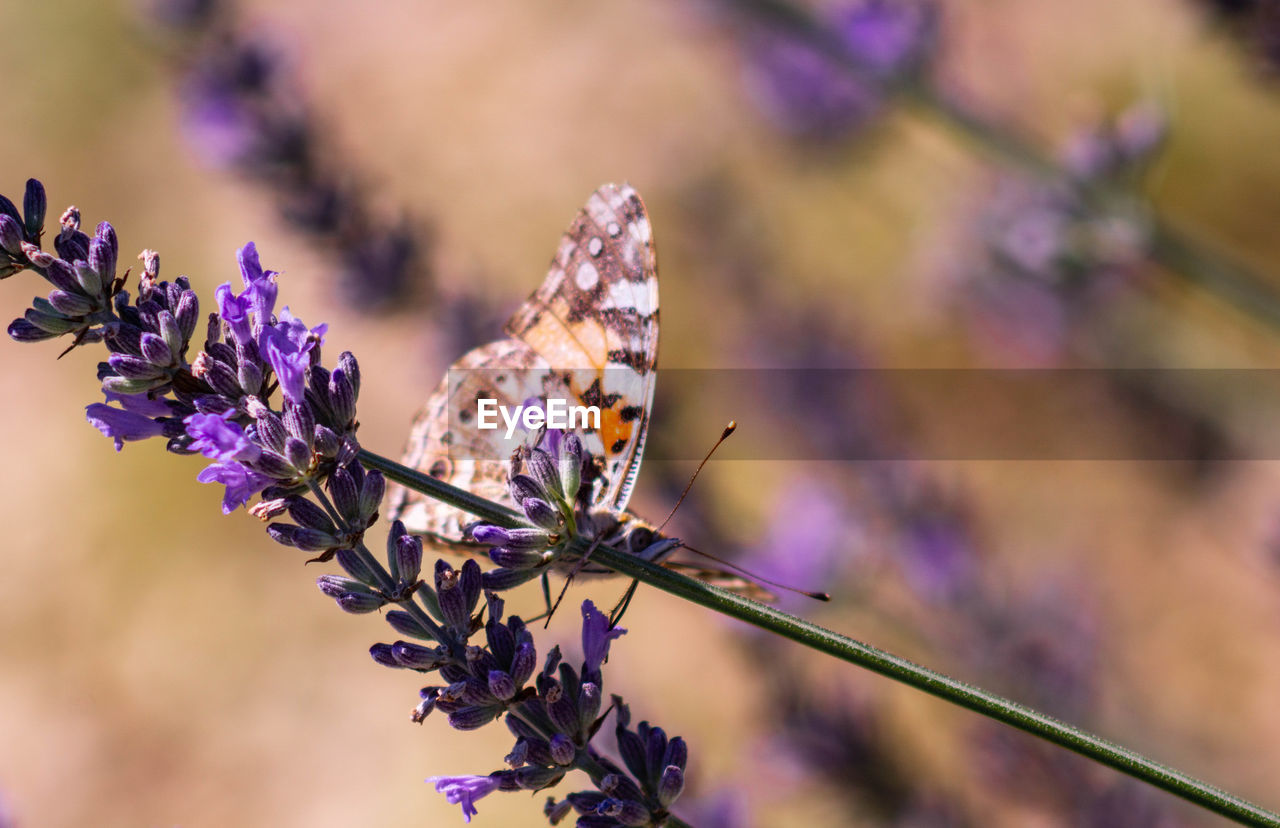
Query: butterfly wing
(595, 318)
(589, 333)
(445, 444)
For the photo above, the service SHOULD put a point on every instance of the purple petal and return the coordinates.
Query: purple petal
(260, 285)
(286, 346)
(219, 439)
(234, 310)
(465, 790)
(122, 425)
(241, 482)
(140, 404)
(596, 636)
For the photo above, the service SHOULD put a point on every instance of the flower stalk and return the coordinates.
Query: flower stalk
(863, 655)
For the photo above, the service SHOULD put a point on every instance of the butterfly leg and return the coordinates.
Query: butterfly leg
(615, 615)
(569, 579)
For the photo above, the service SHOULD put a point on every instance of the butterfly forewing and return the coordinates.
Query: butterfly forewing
(589, 335)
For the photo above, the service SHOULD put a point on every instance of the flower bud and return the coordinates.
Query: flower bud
(408, 558)
(571, 451)
(543, 470)
(355, 566)
(563, 749)
(71, 304)
(501, 685)
(522, 487)
(345, 494)
(335, 585)
(509, 558)
(34, 205)
(298, 453)
(471, 718)
(500, 580)
(540, 512)
(405, 624)
(535, 779)
(10, 235)
(417, 657)
(382, 654)
(360, 603)
(670, 785)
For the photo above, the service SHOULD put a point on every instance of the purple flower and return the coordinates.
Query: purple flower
(242, 483)
(596, 635)
(806, 91)
(259, 284)
(235, 310)
(217, 438)
(884, 36)
(140, 404)
(286, 346)
(122, 425)
(465, 790)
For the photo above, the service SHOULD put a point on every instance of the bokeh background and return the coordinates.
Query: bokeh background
(163, 664)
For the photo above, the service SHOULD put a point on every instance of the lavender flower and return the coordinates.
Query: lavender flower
(1054, 252)
(300, 453)
(554, 718)
(806, 91)
(465, 790)
(244, 110)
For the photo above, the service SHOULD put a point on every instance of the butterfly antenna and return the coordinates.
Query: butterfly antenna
(814, 594)
(729, 429)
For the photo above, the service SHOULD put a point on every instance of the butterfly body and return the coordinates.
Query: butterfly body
(588, 335)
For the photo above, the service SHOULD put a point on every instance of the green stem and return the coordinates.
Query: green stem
(944, 687)
(855, 652)
(487, 510)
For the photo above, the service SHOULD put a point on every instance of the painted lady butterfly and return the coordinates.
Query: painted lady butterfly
(588, 335)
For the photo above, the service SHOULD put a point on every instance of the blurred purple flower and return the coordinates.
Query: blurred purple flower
(809, 541)
(806, 91)
(243, 110)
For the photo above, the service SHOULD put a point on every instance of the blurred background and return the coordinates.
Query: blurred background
(409, 169)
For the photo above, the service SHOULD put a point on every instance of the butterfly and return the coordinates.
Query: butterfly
(588, 335)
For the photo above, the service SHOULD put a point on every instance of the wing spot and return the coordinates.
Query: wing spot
(614, 229)
(441, 468)
(618, 445)
(630, 413)
(587, 276)
(595, 247)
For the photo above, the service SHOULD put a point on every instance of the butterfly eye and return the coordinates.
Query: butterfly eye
(639, 539)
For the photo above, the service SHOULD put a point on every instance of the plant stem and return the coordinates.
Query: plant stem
(486, 510)
(855, 652)
(944, 687)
